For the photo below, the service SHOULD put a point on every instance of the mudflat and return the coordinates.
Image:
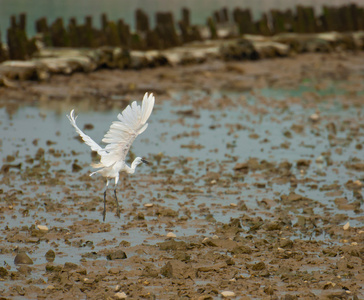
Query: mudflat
(254, 191)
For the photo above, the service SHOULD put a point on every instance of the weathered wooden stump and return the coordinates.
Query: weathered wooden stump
(305, 20)
(124, 34)
(166, 30)
(141, 21)
(282, 21)
(244, 20)
(20, 48)
(262, 26)
(212, 27)
(59, 35)
(222, 15)
(4, 55)
(112, 34)
(188, 33)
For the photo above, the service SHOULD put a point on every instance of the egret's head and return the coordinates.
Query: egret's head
(139, 160)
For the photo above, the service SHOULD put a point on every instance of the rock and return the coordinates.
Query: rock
(177, 269)
(258, 266)
(3, 272)
(150, 271)
(25, 270)
(242, 250)
(119, 254)
(76, 167)
(50, 255)
(70, 266)
(171, 235)
(315, 117)
(346, 226)
(181, 255)
(172, 245)
(42, 228)
(285, 243)
(22, 259)
(227, 294)
(120, 295)
(303, 163)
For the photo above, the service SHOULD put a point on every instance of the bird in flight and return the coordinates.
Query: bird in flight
(122, 133)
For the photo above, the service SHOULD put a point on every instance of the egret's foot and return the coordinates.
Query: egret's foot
(117, 205)
(104, 212)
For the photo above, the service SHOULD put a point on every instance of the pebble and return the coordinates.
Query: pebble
(346, 226)
(358, 183)
(148, 205)
(120, 295)
(315, 117)
(117, 288)
(226, 294)
(171, 235)
(42, 227)
(233, 205)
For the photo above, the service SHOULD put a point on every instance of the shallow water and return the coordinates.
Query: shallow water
(194, 134)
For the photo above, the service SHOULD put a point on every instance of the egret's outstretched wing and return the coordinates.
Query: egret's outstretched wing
(122, 133)
(89, 141)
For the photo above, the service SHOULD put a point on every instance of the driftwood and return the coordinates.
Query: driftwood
(48, 61)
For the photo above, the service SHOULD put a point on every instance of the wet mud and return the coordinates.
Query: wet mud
(254, 191)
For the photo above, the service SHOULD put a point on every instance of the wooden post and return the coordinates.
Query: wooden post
(166, 30)
(141, 21)
(244, 20)
(124, 34)
(262, 26)
(20, 48)
(59, 35)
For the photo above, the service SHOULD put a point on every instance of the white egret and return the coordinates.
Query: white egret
(119, 138)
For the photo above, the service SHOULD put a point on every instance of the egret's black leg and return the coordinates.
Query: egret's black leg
(117, 204)
(104, 213)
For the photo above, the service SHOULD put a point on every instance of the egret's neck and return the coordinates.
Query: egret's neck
(129, 170)
(134, 164)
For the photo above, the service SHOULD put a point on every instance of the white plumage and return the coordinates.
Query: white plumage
(121, 135)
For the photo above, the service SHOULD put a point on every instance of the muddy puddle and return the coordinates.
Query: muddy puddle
(271, 163)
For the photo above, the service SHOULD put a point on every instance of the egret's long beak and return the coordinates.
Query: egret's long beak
(145, 161)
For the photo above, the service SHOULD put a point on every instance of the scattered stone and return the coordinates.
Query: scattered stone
(42, 228)
(3, 272)
(315, 117)
(227, 294)
(150, 271)
(117, 288)
(303, 163)
(24, 270)
(22, 259)
(177, 269)
(50, 255)
(119, 254)
(120, 295)
(70, 266)
(241, 250)
(171, 235)
(172, 245)
(346, 226)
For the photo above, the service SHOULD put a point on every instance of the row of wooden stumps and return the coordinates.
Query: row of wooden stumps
(165, 34)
